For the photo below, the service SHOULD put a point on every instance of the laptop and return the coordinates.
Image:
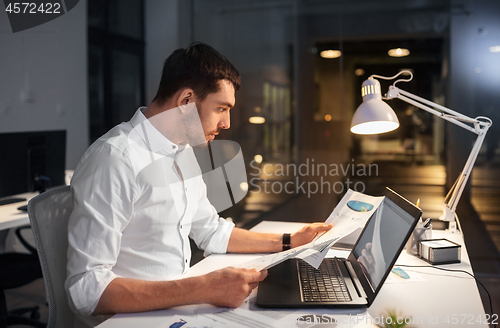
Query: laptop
(345, 283)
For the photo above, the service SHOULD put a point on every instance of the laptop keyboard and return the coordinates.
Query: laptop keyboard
(326, 284)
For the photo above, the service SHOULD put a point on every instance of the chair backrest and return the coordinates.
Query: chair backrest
(49, 214)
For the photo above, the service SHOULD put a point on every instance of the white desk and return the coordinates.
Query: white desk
(11, 217)
(441, 294)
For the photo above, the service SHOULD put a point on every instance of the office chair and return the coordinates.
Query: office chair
(49, 214)
(18, 269)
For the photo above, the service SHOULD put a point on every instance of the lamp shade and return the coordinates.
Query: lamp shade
(373, 116)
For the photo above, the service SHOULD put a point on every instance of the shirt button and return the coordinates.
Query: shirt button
(186, 189)
(173, 147)
(181, 226)
(186, 260)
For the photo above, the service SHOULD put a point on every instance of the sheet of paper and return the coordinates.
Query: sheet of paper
(351, 213)
(178, 321)
(240, 318)
(249, 314)
(306, 318)
(438, 243)
(270, 260)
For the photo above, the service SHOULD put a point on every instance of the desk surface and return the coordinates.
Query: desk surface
(11, 217)
(429, 301)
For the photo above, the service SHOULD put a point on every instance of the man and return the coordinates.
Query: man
(138, 196)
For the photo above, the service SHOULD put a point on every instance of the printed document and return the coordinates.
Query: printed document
(351, 213)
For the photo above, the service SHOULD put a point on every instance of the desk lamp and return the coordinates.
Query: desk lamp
(374, 116)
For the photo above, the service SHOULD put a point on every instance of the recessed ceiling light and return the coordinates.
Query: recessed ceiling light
(330, 53)
(398, 52)
(359, 72)
(244, 186)
(256, 119)
(258, 158)
(495, 49)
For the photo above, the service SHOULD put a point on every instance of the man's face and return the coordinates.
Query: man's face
(214, 110)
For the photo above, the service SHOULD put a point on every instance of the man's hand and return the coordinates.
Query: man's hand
(307, 233)
(229, 287)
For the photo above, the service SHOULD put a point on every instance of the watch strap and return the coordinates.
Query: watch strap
(287, 244)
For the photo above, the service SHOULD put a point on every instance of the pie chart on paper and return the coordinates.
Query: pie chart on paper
(358, 206)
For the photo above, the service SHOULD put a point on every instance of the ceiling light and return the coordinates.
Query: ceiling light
(244, 186)
(256, 120)
(258, 158)
(359, 72)
(330, 53)
(495, 49)
(398, 52)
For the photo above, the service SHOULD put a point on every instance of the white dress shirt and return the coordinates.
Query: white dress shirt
(137, 198)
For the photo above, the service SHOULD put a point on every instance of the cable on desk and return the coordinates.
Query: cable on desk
(463, 271)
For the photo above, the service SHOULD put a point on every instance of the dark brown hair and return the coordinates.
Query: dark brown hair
(199, 67)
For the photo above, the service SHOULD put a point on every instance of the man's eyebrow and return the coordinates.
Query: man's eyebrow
(226, 104)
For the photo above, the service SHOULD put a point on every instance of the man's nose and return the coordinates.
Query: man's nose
(225, 123)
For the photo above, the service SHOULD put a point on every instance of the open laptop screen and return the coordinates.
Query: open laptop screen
(381, 240)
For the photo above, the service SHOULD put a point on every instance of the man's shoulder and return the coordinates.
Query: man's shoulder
(114, 143)
(118, 137)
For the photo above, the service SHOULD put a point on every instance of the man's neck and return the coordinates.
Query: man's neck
(167, 121)
(154, 109)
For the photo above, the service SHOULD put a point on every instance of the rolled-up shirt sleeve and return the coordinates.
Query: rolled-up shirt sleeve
(210, 232)
(103, 196)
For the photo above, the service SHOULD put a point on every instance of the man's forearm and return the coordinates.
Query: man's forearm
(244, 241)
(132, 295)
(226, 287)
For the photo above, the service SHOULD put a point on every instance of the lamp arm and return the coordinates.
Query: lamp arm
(451, 200)
(433, 104)
(453, 117)
(480, 128)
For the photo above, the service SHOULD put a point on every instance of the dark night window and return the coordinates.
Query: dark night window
(115, 62)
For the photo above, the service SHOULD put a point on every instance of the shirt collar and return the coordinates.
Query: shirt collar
(156, 141)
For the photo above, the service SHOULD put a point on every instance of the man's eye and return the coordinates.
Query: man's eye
(222, 109)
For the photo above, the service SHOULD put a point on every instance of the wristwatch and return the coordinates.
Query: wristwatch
(287, 244)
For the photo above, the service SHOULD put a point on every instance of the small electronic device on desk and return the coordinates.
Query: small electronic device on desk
(439, 251)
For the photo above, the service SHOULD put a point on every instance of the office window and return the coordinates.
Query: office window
(116, 62)
(277, 133)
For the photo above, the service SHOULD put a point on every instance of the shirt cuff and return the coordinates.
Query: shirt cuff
(86, 292)
(220, 238)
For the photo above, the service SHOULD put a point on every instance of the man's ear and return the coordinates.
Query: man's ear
(184, 97)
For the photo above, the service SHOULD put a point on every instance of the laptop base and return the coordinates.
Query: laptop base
(281, 289)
